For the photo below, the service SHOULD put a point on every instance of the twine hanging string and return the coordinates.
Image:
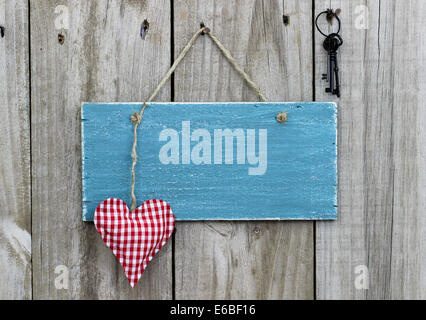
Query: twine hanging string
(138, 116)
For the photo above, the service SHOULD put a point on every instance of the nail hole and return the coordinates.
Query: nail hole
(286, 20)
(61, 38)
(256, 230)
(144, 29)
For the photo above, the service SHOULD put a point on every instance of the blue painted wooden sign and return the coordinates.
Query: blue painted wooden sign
(214, 161)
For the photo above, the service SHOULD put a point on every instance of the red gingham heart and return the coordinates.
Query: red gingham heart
(134, 237)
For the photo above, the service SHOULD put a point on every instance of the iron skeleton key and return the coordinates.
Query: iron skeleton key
(331, 44)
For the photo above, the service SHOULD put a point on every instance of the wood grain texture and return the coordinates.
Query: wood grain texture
(382, 222)
(232, 260)
(103, 58)
(15, 181)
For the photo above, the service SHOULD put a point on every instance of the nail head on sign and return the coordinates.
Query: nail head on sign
(282, 117)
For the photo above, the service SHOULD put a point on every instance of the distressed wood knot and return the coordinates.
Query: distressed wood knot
(281, 117)
(136, 118)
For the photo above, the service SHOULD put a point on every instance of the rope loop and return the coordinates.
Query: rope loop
(136, 117)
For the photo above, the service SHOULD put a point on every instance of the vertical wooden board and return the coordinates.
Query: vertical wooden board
(342, 245)
(244, 260)
(15, 181)
(408, 69)
(381, 221)
(103, 58)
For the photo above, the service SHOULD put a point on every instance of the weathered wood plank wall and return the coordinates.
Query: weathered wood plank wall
(248, 260)
(15, 177)
(382, 178)
(102, 59)
(382, 208)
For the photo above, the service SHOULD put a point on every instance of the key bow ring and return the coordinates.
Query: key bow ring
(329, 14)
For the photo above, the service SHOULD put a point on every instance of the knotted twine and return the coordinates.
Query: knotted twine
(138, 116)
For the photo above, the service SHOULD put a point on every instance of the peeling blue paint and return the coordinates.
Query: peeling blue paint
(300, 182)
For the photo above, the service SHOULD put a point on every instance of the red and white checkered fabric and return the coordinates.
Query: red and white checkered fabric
(134, 237)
